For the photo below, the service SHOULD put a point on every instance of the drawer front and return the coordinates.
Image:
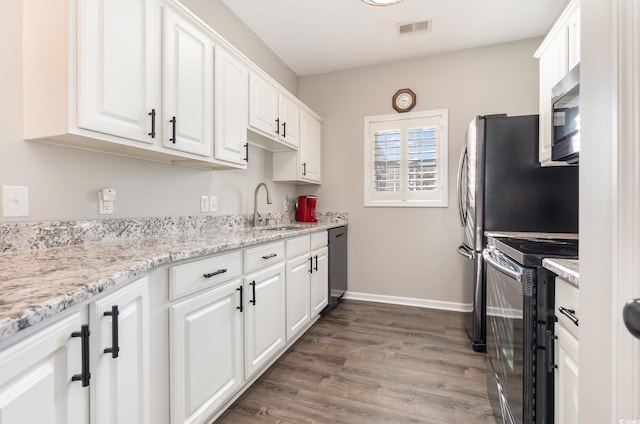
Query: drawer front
(319, 239)
(261, 256)
(298, 246)
(567, 298)
(205, 273)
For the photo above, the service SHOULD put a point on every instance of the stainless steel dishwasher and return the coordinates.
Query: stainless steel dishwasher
(337, 265)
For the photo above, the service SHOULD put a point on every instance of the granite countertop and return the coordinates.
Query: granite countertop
(567, 269)
(37, 284)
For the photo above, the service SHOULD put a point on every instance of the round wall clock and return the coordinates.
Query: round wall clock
(404, 100)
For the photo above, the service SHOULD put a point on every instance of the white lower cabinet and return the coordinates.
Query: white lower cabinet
(307, 280)
(566, 353)
(264, 317)
(119, 326)
(206, 351)
(61, 374)
(36, 377)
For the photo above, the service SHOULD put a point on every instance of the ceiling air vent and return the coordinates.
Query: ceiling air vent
(421, 26)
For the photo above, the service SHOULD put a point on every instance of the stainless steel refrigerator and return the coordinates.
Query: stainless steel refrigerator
(501, 187)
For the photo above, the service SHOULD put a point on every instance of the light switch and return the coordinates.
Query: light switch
(15, 201)
(213, 203)
(204, 204)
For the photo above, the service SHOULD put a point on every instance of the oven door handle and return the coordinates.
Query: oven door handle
(466, 252)
(503, 263)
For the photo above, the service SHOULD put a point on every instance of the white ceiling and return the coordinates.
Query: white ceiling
(318, 36)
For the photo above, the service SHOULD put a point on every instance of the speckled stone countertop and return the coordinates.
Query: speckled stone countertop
(39, 282)
(567, 269)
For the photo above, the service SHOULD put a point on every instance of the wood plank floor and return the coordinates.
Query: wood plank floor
(368, 363)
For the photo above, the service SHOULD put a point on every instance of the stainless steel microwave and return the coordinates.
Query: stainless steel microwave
(565, 102)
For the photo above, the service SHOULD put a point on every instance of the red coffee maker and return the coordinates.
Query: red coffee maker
(306, 208)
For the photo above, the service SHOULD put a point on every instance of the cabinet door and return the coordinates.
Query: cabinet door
(289, 114)
(573, 28)
(320, 280)
(309, 148)
(298, 294)
(35, 377)
(553, 66)
(206, 352)
(120, 391)
(264, 317)
(117, 71)
(231, 98)
(188, 86)
(263, 105)
(566, 378)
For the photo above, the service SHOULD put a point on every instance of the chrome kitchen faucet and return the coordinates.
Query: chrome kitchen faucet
(256, 215)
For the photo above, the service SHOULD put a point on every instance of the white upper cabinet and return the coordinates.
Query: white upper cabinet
(231, 103)
(187, 86)
(558, 54)
(302, 166)
(113, 98)
(273, 113)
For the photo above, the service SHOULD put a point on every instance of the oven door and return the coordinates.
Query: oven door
(509, 294)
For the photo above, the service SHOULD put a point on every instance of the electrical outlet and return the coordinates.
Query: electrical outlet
(213, 203)
(15, 201)
(105, 207)
(204, 204)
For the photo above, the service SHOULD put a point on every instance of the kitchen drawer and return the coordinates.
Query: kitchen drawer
(567, 297)
(319, 239)
(205, 273)
(261, 256)
(298, 246)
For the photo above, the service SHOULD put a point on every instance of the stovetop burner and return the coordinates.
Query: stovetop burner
(531, 251)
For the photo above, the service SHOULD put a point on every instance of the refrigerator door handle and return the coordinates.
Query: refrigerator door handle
(461, 167)
(465, 251)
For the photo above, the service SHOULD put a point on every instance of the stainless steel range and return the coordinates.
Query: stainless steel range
(519, 298)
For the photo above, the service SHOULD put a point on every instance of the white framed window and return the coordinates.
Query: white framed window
(406, 159)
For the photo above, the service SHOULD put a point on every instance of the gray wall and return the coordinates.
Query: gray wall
(63, 182)
(411, 252)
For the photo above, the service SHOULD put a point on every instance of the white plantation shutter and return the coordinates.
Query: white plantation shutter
(406, 160)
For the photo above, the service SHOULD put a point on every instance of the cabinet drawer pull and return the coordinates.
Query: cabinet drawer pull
(246, 152)
(272, 255)
(85, 376)
(214, 273)
(569, 313)
(278, 126)
(315, 268)
(284, 130)
(310, 264)
(304, 168)
(253, 289)
(240, 289)
(549, 351)
(114, 350)
(153, 123)
(173, 130)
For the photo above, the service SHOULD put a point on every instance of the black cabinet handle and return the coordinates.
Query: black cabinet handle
(246, 152)
(310, 264)
(569, 313)
(214, 273)
(278, 126)
(253, 289)
(86, 375)
(173, 130)
(114, 350)
(153, 123)
(549, 349)
(315, 268)
(241, 301)
(284, 129)
(304, 168)
(272, 255)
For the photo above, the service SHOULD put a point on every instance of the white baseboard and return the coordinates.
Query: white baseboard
(410, 301)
